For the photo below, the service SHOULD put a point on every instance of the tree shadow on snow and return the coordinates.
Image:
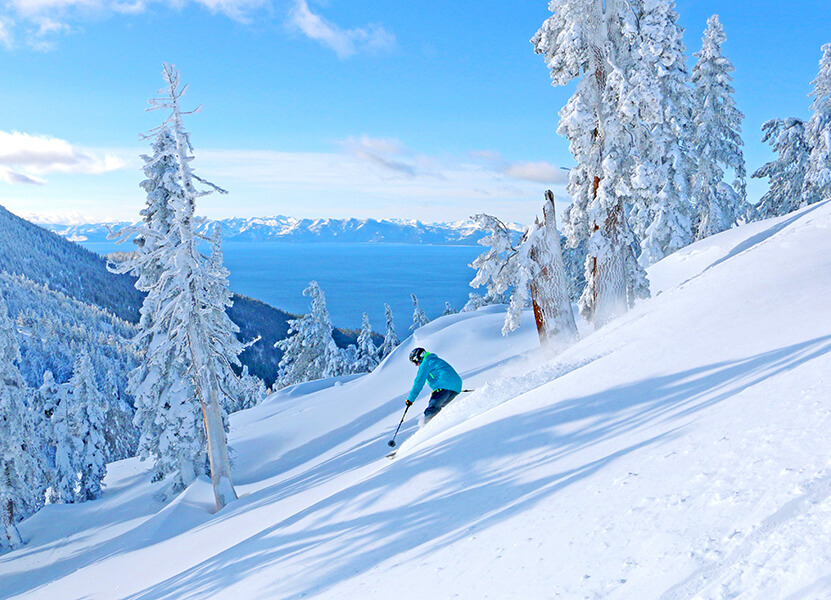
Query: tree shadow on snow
(502, 468)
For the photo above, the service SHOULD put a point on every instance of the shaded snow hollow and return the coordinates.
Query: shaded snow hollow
(680, 452)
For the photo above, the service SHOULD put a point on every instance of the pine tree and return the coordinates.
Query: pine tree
(448, 309)
(67, 451)
(787, 173)
(818, 134)
(593, 40)
(248, 391)
(535, 272)
(660, 103)
(88, 408)
(339, 361)
(367, 358)
(309, 347)
(22, 464)
(119, 432)
(419, 317)
(191, 342)
(44, 402)
(718, 142)
(167, 414)
(390, 337)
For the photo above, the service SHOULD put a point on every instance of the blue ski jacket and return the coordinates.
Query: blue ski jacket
(436, 373)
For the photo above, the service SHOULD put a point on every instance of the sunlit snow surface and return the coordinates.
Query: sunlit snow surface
(681, 452)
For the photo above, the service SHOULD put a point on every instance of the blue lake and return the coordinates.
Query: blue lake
(356, 278)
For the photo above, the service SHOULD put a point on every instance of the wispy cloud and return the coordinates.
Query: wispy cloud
(23, 157)
(538, 172)
(383, 171)
(10, 176)
(345, 42)
(385, 153)
(6, 38)
(40, 21)
(362, 176)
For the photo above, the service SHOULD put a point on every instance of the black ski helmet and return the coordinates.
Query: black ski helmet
(417, 355)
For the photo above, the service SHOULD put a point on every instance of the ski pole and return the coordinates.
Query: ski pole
(391, 443)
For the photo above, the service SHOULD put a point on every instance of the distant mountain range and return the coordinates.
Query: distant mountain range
(40, 265)
(288, 229)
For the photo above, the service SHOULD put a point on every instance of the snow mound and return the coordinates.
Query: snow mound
(676, 453)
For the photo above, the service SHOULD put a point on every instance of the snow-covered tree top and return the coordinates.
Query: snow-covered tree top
(822, 84)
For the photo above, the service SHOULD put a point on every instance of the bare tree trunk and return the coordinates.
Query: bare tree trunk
(605, 274)
(207, 389)
(549, 291)
(12, 533)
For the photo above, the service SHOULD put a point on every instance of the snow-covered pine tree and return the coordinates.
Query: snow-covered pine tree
(340, 361)
(87, 414)
(593, 40)
(448, 309)
(504, 267)
(22, 463)
(119, 433)
(306, 350)
(818, 134)
(476, 301)
(419, 317)
(45, 400)
(67, 451)
(533, 270)
(191, 342)
(786, 174)
(167, 414)
(718, 142)
(367, 358)
(249, 390)
(659, 102)
(390, 337)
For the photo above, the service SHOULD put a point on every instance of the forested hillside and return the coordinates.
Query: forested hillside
(48, 259)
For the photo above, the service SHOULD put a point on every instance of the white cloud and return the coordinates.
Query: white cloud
(372, 169)
(385, 153)
(10, 176)
(6, 38)
(24, 156)
(345, 42)
(539, 172)
(42, 20)
(36, 9)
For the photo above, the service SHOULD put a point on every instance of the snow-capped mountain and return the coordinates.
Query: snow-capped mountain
(679, 452)
(288, 229)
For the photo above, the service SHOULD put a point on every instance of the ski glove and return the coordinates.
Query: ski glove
(408, 403)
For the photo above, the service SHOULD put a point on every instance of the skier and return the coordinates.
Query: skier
(439, 375)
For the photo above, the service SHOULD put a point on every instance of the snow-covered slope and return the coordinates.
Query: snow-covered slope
(289, 229)
(680, 452)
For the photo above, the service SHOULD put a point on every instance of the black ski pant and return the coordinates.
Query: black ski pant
(438, 400)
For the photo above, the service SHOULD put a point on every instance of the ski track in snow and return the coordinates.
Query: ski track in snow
(494, 393)
(763, 552)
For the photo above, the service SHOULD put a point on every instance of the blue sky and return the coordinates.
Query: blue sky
(433, 110)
